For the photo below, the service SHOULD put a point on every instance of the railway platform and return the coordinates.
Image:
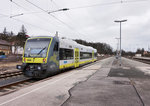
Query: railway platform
(103, 83)
(113, 85)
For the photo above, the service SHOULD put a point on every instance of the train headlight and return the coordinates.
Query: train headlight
(39, 67)
(18, 67)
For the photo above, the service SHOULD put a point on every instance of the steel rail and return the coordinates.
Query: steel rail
(144, 60)
(10, 74)
(6, 84)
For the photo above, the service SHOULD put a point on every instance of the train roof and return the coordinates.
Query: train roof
(68, 42)
(40, 37)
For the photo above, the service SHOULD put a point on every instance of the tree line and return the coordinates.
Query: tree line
(102, 48)
(138, 51)
(17, 40)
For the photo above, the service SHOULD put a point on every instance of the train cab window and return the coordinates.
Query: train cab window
(56, 47)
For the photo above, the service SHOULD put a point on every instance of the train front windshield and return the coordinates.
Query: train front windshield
(37, 47)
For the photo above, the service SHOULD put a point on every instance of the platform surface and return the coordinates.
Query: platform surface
(103, 83)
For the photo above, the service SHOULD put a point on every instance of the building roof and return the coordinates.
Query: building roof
(3, 42)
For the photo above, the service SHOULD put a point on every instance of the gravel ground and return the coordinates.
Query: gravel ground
(8, 67)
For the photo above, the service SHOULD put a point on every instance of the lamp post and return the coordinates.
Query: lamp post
(120, 21)
(117, 46)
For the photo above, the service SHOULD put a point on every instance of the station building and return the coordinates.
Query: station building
(5, 47)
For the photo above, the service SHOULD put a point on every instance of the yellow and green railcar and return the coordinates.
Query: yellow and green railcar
(45, 56)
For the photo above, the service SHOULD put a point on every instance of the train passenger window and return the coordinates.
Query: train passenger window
(65, 54)
(85, 55)
(56, 47)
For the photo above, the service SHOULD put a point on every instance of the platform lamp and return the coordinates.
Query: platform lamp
(120, 21)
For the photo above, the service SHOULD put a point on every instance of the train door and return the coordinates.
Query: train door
(54, 59)
(93, 56)
(76, 57)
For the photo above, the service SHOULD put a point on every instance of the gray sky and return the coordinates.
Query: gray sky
(93, 24)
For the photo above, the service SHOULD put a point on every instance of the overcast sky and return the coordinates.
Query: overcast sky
(93, 23)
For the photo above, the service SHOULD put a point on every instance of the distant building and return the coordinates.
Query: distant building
(145, 52)
(16, 49)
(5, 47)
(138, 55)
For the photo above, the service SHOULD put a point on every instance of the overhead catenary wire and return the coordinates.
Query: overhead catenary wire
(59, 7)
(17, 4)
(54, 17)
(84, 7)
(33, 12)
(16, 15)
(4, 15)
(36, 6)
(68, 18)
(71, 8)
(30, 24)
(49, 14)
(127, 1)
(46, 12)
(24, 21)
(104, 4)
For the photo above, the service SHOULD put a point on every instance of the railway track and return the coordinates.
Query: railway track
(143, 61)
(12, 84)
(10, 78)
(147, 61)
(12, 81)
(10, 74)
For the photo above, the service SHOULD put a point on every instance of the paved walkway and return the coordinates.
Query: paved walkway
(113, 85)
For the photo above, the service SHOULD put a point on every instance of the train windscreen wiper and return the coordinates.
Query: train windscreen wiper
(41, 51)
